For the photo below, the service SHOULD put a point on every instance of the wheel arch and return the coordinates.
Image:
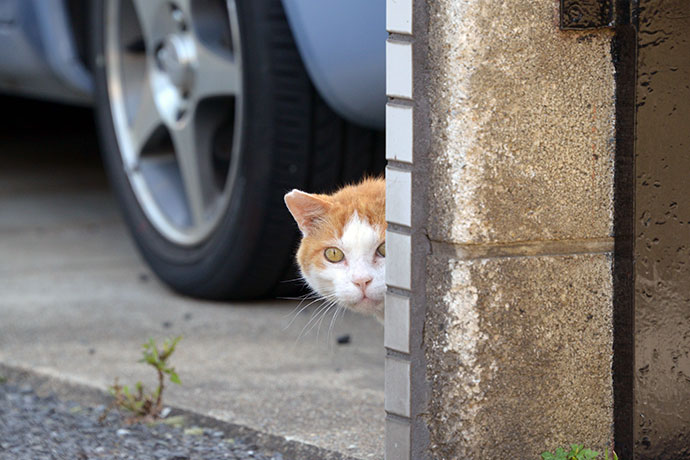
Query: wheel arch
(79, 14)
(342, 45)
(38, 53)
(63, 39)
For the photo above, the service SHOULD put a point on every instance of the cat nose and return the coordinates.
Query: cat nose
(362, 282)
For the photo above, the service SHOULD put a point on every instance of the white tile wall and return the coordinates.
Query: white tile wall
(397, 386)
(399, 133)
(398, 252)
(399, 148)
(398, 196)
(397, 323)
(399, 16)
(399, 69)
(397, 440)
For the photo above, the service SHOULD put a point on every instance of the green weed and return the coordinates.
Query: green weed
(577, 452)
(142, 405)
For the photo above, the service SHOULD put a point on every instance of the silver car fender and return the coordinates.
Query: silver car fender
(343, 46)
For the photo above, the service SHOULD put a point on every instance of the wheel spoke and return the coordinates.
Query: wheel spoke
(185, 6)
(144, 122)
(188, 160)
(147, 12)
(218, 73)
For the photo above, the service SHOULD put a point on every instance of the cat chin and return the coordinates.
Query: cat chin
(369, 307)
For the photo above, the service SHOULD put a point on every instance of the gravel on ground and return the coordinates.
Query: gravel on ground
(37, 428)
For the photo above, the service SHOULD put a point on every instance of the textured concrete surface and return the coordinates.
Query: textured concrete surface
(523, 360)
(518, 330)
(76, 303)
(522, 124)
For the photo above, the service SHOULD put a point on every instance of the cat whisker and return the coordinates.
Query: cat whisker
(314, 315)
(330, 328)
(338, 307)
(320, 321)
(318, 314)
(303, 298)
(295, 315)
(291, 298)
(311, 295)
(300, 279)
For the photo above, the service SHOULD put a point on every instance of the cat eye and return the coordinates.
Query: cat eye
(381, 250)
(334, 255)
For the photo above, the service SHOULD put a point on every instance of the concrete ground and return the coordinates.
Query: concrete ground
(76, 303)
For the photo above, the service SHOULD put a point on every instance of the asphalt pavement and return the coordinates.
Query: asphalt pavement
(37, 428)
(77, 302)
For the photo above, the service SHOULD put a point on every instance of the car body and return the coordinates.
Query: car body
(44, 52)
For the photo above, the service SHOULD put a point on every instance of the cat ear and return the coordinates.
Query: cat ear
(306, 208)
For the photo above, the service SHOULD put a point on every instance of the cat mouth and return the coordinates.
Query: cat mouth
(367, 305)
(366, 300)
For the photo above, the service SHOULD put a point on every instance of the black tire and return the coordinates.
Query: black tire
(291, 139)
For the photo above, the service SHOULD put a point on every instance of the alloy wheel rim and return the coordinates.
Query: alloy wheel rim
(174, 82)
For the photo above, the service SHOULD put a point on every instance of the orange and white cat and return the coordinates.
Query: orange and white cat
(343, 250)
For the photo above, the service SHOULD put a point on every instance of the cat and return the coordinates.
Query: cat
(342, 252)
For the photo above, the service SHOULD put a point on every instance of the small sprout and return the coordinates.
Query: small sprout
(577, 452)
(143, 406)
(76, 410)
(194, 431)
(175, 420)
(606, 455)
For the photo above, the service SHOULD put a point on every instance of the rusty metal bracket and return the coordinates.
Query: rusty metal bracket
(586, 14)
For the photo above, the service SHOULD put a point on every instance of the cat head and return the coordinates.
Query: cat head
(342, 252)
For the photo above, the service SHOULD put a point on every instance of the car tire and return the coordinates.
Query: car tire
(238, 243)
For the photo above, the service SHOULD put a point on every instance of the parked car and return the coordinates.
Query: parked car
(208, 112)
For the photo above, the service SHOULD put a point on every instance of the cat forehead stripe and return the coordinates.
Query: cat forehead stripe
(359, 236)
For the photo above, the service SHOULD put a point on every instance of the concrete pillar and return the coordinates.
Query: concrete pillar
(501, 133)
